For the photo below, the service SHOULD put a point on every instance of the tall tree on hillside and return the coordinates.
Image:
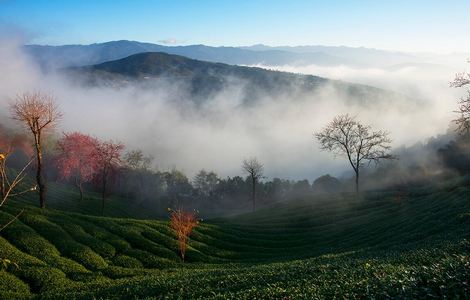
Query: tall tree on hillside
(463, 121)
(205, 183)
(178, 187)
(38, 112)
(254, 169)
(137, 174)
(346, 136)
(108, 161)
(136, 160)
(78, 158)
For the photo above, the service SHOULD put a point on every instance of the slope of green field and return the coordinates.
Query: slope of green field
(386, 244)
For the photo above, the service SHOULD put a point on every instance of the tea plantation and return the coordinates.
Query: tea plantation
(409, 244)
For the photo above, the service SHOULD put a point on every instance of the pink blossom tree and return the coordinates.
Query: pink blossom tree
(78, 158)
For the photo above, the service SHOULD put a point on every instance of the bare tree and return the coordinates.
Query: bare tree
(254, 169)
(10, 182)
(38, 112)
(183, 223)
(346, 136)
(463, 121)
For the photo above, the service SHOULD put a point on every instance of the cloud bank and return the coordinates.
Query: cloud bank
(218, 134)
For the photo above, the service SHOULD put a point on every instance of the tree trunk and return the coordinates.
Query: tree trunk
(2, 183)
(39, 178)
(103, 191)
(182, 253)
(103, 196)
(253, 191)
(80, 188)
(357, 182)
(79, 184)
(102, 205)
(2, 191)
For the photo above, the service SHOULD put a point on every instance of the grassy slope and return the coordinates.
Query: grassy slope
(382, 245)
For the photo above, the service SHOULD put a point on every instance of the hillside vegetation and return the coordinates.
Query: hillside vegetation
(406, 244)
(203, 79)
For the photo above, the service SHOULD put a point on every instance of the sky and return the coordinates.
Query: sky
(410, 26)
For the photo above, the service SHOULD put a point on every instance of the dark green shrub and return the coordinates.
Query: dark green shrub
(149, 260)
(120, 272)
(43, 278)
(11, 287)
(127, 261)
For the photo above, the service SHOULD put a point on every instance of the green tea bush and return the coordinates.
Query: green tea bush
(64, 242)
(12, 288)
(42, 278)
(150, 260)
(127, 261)
(346, 248)
(78, 234)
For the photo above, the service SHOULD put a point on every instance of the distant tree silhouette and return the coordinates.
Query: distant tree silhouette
(178, 187)
(205, 183)
(136, 160)
(137, 175)
(254, 169)
(326, 184)
(455, 154)
(346, 136)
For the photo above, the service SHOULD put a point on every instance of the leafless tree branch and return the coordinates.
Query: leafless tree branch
(38, 112)
(358, 142)
(254, 169)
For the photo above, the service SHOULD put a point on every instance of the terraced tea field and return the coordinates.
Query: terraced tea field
(385, 244)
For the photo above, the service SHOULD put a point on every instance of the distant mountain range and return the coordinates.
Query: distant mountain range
(203, 79)
(52, 57)
(365, 57)
(79, 55)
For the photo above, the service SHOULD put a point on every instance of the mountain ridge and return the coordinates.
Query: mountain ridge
(208, 78)
(51, 57)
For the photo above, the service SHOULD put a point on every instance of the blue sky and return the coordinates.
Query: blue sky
(435, 26)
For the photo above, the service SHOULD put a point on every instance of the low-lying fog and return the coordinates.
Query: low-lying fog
(218, 135)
